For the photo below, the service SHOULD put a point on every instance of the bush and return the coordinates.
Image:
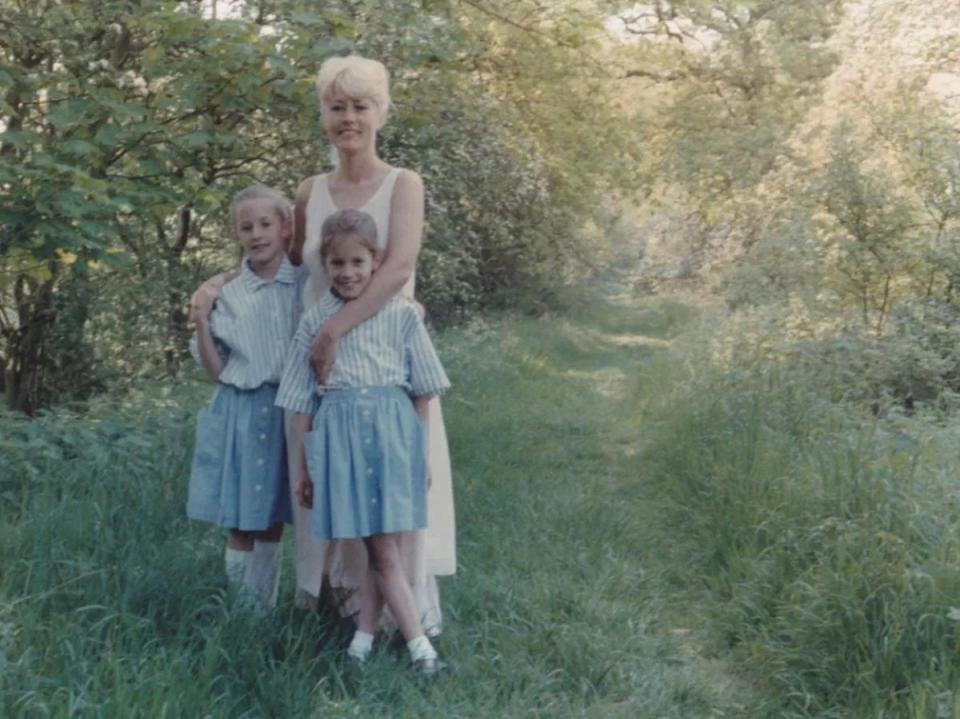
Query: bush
(827, 537)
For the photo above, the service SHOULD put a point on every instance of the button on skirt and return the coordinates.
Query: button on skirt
(238, 479)
(366, 457)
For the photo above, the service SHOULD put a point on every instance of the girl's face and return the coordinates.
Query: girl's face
(262, 232)
(349, 264)
(351, 123)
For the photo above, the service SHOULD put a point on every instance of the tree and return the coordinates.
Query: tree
(123, 121)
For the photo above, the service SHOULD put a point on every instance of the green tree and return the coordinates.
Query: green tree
(124, 124)
(733, 77)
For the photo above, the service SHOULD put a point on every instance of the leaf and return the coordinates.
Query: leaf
(67, 258)
(80, 148)
(69, 113)
(20, 138)
(198, 140)
(109, 135)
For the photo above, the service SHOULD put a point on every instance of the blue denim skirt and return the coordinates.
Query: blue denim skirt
(239, 475)
(366, 456)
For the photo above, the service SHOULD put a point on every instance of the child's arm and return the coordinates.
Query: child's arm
(421, 403)
(207, 352)
(424, 371)
(303, 423)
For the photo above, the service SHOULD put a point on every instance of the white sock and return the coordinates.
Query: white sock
(263, 573)
(421, 648)
(235, 562)
(360, 646)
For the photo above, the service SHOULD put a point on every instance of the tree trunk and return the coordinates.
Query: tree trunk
(24, 355)
(177, 333)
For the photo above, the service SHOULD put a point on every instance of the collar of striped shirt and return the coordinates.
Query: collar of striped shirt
(286, 274)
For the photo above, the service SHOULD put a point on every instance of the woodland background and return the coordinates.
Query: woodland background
(750, 208)
(800, 159)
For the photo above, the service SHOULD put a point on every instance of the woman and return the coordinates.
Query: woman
(354, 99)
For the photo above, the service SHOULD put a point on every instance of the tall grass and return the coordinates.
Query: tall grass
(112, 604)
(825, 540)
(646, 528)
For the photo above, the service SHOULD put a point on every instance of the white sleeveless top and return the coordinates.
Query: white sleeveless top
(320, 205)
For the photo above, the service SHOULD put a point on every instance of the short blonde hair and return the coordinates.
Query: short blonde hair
(261, 192)
(355, 77)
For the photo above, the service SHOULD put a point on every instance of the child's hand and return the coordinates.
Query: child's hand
(304, 491)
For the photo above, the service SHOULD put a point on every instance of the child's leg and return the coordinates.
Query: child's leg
(385, 557)
(237, 556)
(262, 575)
(370, 602)
(385, 563)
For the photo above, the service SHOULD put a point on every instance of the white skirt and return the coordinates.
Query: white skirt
(426, 553)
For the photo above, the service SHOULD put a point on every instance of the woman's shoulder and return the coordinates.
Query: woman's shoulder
(307, 183)
(407, 189)
(408, 179)
(307, 187)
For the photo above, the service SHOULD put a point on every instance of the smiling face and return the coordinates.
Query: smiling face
(262, 233)
(349, 264)
(351, 123)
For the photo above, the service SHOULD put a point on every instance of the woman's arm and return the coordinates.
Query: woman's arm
(203, 299)
(299, 235)
(403, 246)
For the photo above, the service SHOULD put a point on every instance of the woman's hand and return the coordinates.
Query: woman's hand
(304, 491)
(202, 301)
(323, 351)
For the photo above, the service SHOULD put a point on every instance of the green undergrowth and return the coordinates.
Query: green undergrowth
(650, 524)
(112, 604)
(823, 539)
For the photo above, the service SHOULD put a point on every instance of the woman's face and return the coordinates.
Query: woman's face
(351, 123)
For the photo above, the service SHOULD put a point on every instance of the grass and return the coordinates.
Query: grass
(644, 530)
(825, 540)
(111, 603)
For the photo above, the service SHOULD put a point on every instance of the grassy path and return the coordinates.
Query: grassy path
(570, 600)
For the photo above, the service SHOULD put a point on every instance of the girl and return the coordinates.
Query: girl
(239, 474)
(363, 466)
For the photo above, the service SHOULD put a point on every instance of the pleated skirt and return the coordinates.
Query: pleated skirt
(238, 479)
(366, 456)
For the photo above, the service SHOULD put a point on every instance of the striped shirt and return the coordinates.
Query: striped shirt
(252, 323)
(392, 348)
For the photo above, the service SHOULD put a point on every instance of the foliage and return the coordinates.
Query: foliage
(113, 603)
(824, 539)
(737, 79)
(127, 126)
(120, 122)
